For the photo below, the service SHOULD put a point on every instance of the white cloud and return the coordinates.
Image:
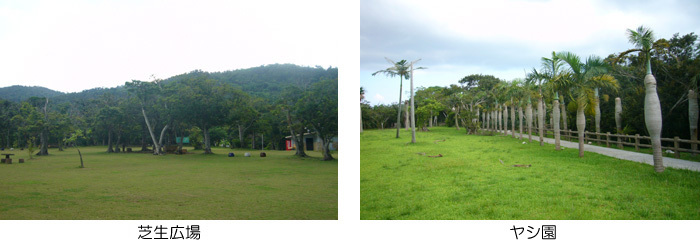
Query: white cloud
(379, 98)
(504, 38)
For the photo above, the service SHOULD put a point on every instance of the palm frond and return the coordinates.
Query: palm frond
(623, 54)
(573, 61)
(642, 38)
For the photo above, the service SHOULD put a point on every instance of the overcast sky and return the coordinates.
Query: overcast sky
(71, 46)
(504, 38)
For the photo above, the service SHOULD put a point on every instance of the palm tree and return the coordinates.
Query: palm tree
(556, 80)
(584, 78)
(413, 107)
(537, 78)
(643, 40)
(397, 69)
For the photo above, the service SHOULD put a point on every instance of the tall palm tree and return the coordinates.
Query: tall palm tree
(555, 79)
(397, 69)
(584, 78)
(643, 40)
(536, 78)
(413, 107)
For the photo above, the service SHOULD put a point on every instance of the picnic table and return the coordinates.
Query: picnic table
(7, 158)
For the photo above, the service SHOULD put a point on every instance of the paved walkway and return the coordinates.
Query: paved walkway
(621, 154)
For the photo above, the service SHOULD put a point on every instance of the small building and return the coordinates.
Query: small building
(311, 143)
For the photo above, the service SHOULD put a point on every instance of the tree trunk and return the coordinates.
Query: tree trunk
(555, 124)
(240, 135)
(520, 121)
(580, 126)
(110, 149)
(44, 150)
(597, 114)
(398, 116)
(512, 120)
(528, 113)
(652, 118)
(156, 145)
(413, 113)
(407, 121)
(81, 157)
(565, 122)
(297, 139)
(505, 119)
(326, 150)
(456, 116)
(431, 119)
(62, 144)
(488, 120)
(618, 120)
(693, 118)
(207, 143)
(160, 141)
(540, 119)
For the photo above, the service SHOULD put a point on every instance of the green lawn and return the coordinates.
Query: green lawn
(469, 181)
(170, 187)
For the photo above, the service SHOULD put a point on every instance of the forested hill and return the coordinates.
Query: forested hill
(17, 93)
(268, 80)
(264, 81)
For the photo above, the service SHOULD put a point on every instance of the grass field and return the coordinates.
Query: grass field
(170, 187)
(469, 181)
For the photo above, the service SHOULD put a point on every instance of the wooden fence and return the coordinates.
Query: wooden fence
(677, 145)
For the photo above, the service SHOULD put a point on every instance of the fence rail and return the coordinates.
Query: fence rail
(621, 140)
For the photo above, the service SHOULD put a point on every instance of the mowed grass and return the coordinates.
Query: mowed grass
(469, 181)
(170, 187)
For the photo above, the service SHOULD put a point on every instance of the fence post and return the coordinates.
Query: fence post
(676, 144)
(619, 141)
(607, 139)
(636, 142)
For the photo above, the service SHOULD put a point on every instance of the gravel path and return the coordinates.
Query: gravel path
(623, 154)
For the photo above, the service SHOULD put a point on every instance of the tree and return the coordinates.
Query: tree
(585, 77)
(146, 93)
(73, 139)
(643, 39)
(320, 106)
(400, 69)
(413, 112)
(208, 104)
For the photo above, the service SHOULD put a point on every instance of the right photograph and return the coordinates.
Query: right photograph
(529, 110)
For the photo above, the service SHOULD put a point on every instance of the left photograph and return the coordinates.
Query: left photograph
(176, 111)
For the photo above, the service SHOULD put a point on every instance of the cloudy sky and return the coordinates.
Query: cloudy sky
(504, 38)
(72, 45)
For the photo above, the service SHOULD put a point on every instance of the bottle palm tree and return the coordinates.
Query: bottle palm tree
(643, 40)
(400, 69)
(536, 78)
(585, 77)
(555, 80)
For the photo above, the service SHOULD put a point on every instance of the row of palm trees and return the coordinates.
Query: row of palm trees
(566, 74)
(481, 102)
